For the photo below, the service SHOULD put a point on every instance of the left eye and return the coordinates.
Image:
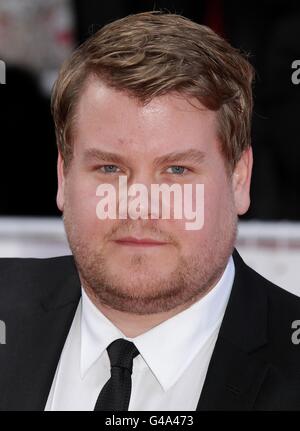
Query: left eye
(108, 169)
(179, 170)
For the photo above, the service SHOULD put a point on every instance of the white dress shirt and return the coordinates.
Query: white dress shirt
(170, 370)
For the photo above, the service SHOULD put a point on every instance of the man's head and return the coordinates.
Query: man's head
(141, 89)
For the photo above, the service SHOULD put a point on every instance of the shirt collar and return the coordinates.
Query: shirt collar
(167, 356)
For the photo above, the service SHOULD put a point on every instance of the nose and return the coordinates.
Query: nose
(135, 198)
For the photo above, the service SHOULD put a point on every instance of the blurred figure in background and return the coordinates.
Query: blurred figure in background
(35, 37)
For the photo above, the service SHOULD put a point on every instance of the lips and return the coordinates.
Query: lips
(139, 241)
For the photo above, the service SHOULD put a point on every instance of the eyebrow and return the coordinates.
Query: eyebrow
(193, 155)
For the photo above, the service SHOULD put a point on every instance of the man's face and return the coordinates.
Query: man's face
(146, 279)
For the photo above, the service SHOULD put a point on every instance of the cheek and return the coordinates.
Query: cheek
(218, 205)
(81, 204)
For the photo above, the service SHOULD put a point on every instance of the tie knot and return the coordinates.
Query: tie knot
(121, 353)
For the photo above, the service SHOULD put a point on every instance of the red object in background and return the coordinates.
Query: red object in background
(214, 16)
(64, 37)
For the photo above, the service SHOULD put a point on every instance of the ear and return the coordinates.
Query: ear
(241, 180)
(60, 182)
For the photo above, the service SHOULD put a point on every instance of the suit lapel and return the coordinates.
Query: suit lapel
(233, 380)
(35, 339)
(237, 367)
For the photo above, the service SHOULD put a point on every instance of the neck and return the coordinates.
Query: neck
(132, 325)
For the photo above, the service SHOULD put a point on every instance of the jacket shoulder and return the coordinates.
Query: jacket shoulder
(282, 319)
(23, 280)
(278, 296)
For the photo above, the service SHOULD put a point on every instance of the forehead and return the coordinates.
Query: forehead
(112, 119)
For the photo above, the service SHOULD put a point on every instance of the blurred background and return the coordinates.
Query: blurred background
(37, 35)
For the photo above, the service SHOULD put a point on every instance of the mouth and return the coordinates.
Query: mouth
(139, 242)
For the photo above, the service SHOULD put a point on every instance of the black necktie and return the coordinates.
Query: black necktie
(115, 394)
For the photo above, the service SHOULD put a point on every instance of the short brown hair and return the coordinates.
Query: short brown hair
(151, 54)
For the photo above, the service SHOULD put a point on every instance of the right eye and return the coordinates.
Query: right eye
(108, 169)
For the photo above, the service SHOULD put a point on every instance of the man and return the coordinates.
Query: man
(147, 314)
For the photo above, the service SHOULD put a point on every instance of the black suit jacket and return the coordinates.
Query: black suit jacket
(254, 366)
